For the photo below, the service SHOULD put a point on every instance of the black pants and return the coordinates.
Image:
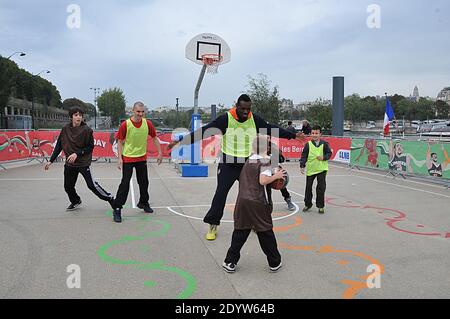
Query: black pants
(227, 174)
(285, 193)
(70, 179)
(124, 187)
(320, 189)
(266, 239)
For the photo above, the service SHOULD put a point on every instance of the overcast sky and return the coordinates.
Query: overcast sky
(139, 46)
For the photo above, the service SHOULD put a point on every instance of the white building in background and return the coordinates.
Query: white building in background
(444, 95)
(303, 106)
(416, 93)
(163, 108)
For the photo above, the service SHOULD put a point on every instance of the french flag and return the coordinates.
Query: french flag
(388, 116)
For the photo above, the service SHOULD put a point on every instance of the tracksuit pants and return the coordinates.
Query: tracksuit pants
(267, 242)
(124, 187)
(227, 174)
(320, 189)
(70, 179)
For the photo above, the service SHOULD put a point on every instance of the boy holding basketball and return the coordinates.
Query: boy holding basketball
(253, 210)
(315, 156)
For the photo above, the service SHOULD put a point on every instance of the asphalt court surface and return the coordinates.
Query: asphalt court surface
(373, 225)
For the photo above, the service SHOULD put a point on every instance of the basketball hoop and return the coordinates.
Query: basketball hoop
(212, 62)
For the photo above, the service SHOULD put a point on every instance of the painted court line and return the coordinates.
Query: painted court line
(225, 220)
(133, 200)
(402, 186)
(382, 174)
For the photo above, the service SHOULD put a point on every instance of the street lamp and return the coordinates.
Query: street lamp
(21, 54)
(96, 90)
(32, 95)
(177, 112)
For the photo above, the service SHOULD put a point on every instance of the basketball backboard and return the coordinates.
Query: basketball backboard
(207, 43)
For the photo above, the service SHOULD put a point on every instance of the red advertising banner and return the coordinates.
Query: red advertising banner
(340, 147)
(15, 145)
(291, 149)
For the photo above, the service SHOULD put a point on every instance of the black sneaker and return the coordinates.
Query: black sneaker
(275, 269)
(306, 208)
(73, 206)
(230, 267)
(117, 215)
(111, 202)
(145, 207)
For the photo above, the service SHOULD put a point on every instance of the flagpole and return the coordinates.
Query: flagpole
(385, 137)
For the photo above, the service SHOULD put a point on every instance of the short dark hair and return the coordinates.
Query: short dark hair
(243, 97)
(433, 154)
(317, 128)
(75, 109)
(289, 122)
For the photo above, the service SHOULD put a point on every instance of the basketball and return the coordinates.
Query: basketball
(279, 183)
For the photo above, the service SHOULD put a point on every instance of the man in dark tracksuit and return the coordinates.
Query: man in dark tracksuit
(77, 141)
(315, 156)
(238, 128)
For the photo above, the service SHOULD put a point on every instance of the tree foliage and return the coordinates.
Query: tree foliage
(18, 83)
(265, 98)
(112, 103)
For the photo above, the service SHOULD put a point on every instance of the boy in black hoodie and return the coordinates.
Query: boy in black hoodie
(77, 141)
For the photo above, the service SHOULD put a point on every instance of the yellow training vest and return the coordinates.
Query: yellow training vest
(239, 137)
(313, 165)
(136, 140)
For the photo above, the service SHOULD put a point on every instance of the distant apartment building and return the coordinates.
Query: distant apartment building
(444, 95)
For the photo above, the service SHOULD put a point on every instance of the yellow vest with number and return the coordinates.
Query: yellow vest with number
(313, 165)
(136, 140)
(238, 138)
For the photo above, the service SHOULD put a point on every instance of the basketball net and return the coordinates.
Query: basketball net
(212, 62)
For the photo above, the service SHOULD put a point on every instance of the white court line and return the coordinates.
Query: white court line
(402, 186)
(371, 179)
(203, 205)
(225, 220)
(119, 178)
(381, 174)
(291, 191)
(133, 201)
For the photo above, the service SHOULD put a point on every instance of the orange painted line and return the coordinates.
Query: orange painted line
(279, 229)
(354, 288)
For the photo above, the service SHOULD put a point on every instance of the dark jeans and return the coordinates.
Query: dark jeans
(124, 187)
(70, 179)
(227, 174)
(320, 189)
(285, 193)
(267, 242)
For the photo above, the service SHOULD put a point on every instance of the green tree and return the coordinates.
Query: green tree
(442, 109)
(68, 103)
(112, 103)
(265, 99)
(18, 83)
(320, 114)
